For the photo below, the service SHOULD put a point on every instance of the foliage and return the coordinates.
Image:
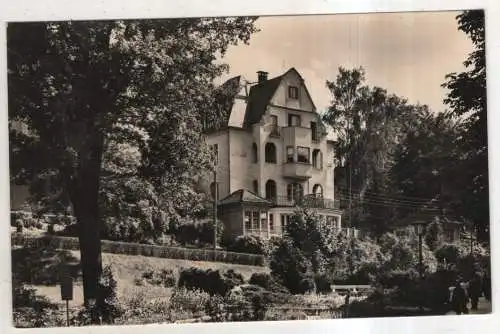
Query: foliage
(31, 310)
(42, 265)
(467, 99)
(107, 308)
(193, 301)
(450, 253)
(289, 266)
(434, 235)
(367, 122)
(304, 232)
(248, 244)
(210, 281)
(196, 232)
(80, 87)
(267, 282)
(164, 277)
(355, 259)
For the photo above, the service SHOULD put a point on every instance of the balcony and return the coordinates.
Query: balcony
(297, 170)
(275, 131)
(307, 201)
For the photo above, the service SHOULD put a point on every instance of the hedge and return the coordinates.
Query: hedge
(115, 247)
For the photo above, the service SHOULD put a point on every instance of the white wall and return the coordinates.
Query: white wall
(221, 139)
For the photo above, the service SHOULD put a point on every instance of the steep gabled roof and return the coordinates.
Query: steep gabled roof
(243, 196)
(258, 98)
(261, 94)
(305, 87)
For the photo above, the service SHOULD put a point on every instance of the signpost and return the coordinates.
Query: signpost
(67, 292)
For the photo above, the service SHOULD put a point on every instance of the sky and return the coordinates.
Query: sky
(408, 54)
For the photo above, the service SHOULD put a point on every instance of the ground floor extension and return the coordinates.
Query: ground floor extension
(245, 213)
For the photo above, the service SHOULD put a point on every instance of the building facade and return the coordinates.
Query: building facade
(276, 159)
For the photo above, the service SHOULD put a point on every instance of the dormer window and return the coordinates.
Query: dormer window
(293, 92)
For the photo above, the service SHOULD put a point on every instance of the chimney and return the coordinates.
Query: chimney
(262, 76)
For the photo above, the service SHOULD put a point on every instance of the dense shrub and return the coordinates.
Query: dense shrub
(434, 235)
(19, 215)
(289, 266)
(244, 303)
(164, 277)
(141, 310)
(19, 225)
(248, 244)
(261, 279)
(107, 308)
(193, 301)
(70, 230)
(209, 281)
(197, 232)
(450, 253)
(232, 279)
(398, 278)
(323, 283)
(267, 282)
(307, 285)
(31, 310)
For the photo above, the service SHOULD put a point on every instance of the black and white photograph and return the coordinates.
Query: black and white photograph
(248, 168)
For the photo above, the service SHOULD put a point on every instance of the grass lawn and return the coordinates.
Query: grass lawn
(128, 267)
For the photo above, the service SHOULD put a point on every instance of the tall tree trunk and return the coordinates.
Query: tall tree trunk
(85, 199)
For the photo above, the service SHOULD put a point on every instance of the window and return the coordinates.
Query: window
(271, 222)
(283, 222)
(290, 152)
(303, 154)
(214, 190)
(255, 186)
(314, 132)
(270, 153)
(255, 220)
(248, 220)
(294, 191)
(317, 158)
(293, 120)
(215, 150)
(318, 191)
(263, 220)
(449, 235)
(293, 92)
(274, 126)
(255, 154)
(270, 189)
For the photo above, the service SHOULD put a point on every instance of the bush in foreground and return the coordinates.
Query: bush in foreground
(210, 281)
(248, 244)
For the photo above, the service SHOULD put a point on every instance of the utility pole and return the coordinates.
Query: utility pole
(215, 207)
(216, 195)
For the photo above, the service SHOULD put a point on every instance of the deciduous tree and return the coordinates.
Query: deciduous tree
(78, 86)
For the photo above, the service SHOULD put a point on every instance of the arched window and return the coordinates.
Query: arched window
(255, 153)
(271, 153)
(318, 190)
(317, 158)
(270, 189)
(255, 186)
(294, 191)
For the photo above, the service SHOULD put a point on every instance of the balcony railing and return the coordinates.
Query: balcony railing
(275, 131)
(307, 201)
